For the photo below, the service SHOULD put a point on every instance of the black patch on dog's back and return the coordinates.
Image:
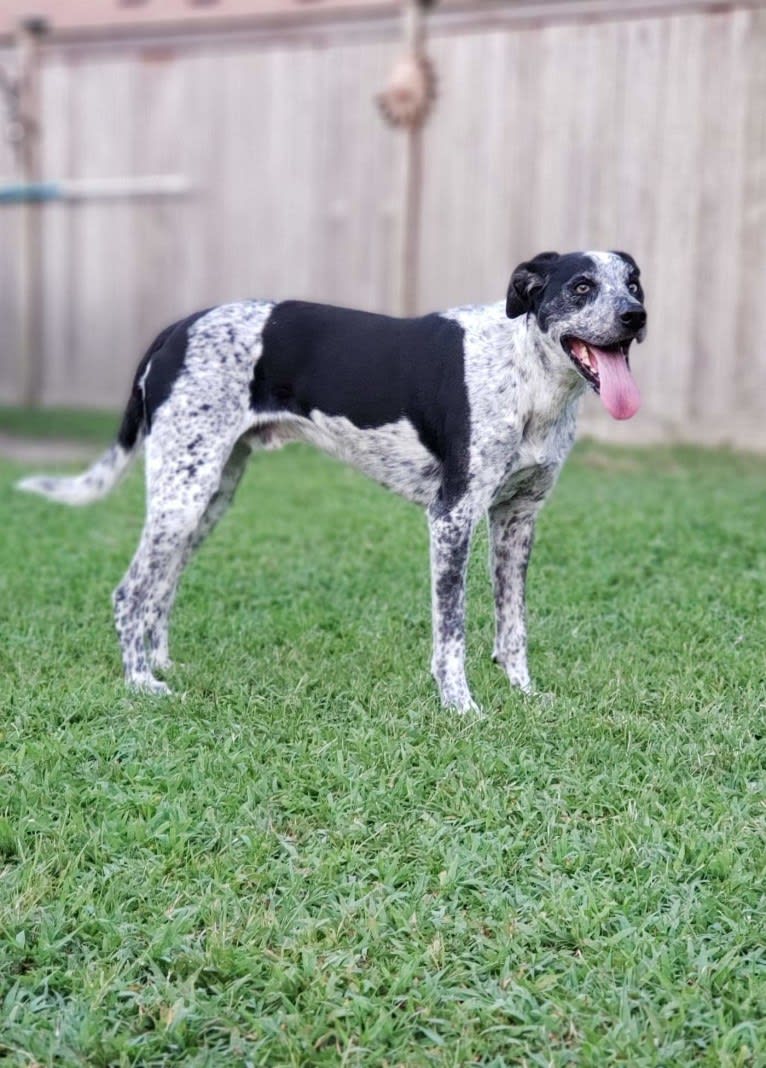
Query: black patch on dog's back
(372, 369)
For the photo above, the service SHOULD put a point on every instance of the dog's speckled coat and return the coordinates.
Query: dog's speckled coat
(467, 413)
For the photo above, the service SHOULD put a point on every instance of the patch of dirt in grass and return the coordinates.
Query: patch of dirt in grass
(48, 450)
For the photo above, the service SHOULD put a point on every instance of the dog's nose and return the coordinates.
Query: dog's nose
(634, 318)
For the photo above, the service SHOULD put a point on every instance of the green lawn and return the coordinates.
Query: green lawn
(302, 860)
(42, 423)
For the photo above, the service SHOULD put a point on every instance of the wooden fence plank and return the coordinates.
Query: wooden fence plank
(745, 418)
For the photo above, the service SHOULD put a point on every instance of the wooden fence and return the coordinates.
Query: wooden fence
(637, 131)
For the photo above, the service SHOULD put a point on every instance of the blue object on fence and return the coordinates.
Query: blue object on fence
(30, 192)
(139, 185)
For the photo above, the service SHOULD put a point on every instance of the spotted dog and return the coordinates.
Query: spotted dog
(466, 413)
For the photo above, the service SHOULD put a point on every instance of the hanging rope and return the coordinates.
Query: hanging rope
(20, 127)
(15, 126)
(411, 89)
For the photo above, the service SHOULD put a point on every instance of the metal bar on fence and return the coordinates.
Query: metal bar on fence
(94, 189)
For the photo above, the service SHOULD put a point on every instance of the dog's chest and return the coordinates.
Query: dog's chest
(544, 443)
(535, 461)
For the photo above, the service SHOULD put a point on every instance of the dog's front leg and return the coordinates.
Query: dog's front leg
(511, 533)
(450, 533)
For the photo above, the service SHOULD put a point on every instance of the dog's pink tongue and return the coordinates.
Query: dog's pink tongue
(617, 386)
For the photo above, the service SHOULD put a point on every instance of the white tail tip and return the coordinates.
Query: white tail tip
(91, 485)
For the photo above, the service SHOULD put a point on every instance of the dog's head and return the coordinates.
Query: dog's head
(589, 308)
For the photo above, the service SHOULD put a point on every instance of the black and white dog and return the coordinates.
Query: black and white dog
(468, 412)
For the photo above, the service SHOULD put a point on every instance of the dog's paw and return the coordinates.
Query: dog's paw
(147, 684)
(466, 708)
(458, 700)
(518, 674)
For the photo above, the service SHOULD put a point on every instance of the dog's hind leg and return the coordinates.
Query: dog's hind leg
(231, 476)
(181, 482)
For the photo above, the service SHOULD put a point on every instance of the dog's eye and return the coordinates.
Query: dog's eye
(633, 287)
(583, 287)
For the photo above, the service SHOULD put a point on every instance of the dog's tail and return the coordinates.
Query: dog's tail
(103, 475)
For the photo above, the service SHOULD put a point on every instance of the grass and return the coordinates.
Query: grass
(302, 860)
(65, 423)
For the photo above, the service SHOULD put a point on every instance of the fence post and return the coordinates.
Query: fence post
(28, 36)
(412, 188)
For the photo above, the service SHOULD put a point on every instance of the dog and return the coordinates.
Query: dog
(469, 412)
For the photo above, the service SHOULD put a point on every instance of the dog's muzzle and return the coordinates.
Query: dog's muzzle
(606, 368)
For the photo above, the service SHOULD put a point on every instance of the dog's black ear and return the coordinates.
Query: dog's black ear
(628, 259)
(527, 282)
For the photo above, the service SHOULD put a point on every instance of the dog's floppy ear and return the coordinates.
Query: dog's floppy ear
(527, 281)
(628, 259)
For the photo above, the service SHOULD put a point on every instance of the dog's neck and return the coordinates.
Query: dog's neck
(512, 358)
(543, 357)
